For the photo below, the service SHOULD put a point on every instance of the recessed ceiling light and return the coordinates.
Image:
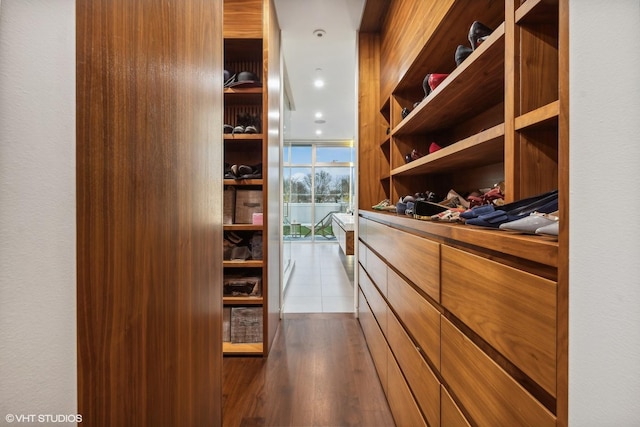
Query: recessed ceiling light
(318, 83)
(318, 115)
(319, 33)
(318, 132)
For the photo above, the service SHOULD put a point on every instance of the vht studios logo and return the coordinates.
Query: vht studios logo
(43, 418)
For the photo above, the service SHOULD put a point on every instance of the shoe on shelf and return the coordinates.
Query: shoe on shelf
(433, 147)
(450, 215)
(549, 230)
(381, 204)
(543, 203)
(452, 194)
(435, 79)
(227, 128)
(478, 33)
(462, 53)
(529, 224)
(425, 86)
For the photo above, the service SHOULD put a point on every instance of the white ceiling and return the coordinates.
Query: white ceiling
(334, 53)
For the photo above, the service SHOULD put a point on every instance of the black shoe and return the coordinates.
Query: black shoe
(462, 53)
(425, 86)
(478, 31)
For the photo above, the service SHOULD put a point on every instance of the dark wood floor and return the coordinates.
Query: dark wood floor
(319, 373)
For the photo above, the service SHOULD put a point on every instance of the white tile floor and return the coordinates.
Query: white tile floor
(321, 281)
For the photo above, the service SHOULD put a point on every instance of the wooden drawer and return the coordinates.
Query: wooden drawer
(377, 270)
(487, 392)
(404, 409)
(421, 379)
(512, 310)
(421, 319)
(375, 341)
(362, 254)
(377, 304)
(451, 414)
(415, 257)
(362, 228)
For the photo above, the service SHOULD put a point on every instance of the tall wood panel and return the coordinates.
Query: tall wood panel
(371, 129)
(149, 138)
(272, 105)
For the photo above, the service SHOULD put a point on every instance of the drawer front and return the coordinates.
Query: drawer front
(420, 377)
(421, 319)
(362, 254)
(511, 309)
(451, 414)
(487, 392)
(376, 302)
(377, 269)
(415, 257)
(404, 409)
(375, 341)
(362, 228)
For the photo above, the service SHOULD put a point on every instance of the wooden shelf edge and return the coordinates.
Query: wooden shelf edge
(242, 300)
(244, 91)
(241, 264)
(539, 249)
(536, 10)
(243, 137)
(241, 348)
(243, 227)
(459, 149)
(538, 116)
(241, 182)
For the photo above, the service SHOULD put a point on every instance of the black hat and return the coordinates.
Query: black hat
(246, 79)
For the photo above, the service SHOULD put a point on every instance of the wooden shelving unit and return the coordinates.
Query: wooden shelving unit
(500, 116)
(248, 32)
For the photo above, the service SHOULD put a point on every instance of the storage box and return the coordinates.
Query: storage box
(226, 324)
(257, 219)
(229, 202)
(246, 324)
(248, 202)
(237, 286)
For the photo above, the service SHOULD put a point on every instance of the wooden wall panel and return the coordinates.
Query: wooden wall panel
(371, 130)
(271, 46)
(149, 212)
(243, 19)
(404, 33)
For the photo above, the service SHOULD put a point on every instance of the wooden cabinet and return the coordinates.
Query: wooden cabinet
(481, 311)
(247, 26)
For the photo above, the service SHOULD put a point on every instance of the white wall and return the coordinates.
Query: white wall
(37, 209)
(604, 317)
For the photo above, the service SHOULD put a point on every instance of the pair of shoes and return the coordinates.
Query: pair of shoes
(414, 155)
(477, 34)
(530, 224)
(381, 205)
(543, 203)
(450, 215)
(242, 171)
(431, 81)
(247, 123)
(492, 196)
